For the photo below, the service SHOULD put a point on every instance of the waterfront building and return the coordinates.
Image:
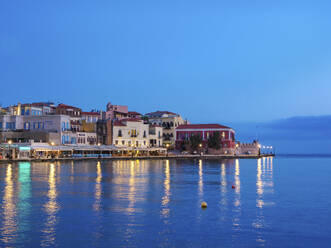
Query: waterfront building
(155, 135)
(104, 132)
(49, 128)
(169, 122)
(205, 131)
(116, 112)
(37, 108)
(134, 114)
(90, 117)
(85, 138)
(130, 133)
(73, 112)
(63, 109)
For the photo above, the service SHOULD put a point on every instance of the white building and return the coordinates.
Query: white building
(155, 136)
(85, 138)
(59, 124)
(168, 121)
(131, 133)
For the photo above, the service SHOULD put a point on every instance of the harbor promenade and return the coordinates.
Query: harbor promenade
(169, 157)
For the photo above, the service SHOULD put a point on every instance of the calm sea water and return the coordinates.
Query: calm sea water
(279, 202)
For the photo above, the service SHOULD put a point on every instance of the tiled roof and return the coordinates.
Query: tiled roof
(61, 105)
(91, 113)
(159, 113)
(132, 119)
(202, 126)
(120, 112)
(118, 123)
(155, 125)
(133, 113)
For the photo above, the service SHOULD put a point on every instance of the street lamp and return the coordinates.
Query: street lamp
(132, 145)
(167, 145)
(10, 152)
(52, 144)
(200, 146)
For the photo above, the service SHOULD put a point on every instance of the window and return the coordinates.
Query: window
(137, 143)
(144, 142)
(10, 125)
(26, 125)
(119, 133)
(123, 142)
(144, 134)
(223, 135)
(116, 142)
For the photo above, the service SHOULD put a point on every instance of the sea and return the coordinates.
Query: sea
(282, 201)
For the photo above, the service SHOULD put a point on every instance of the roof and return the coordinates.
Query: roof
(64, 106)
(120, 112)
(132, 119)
(202, 126)
(133, 113)
(159, 113)
(118, 123)
(91, 113)
(37, 104)
(155, 125)
(41, 104)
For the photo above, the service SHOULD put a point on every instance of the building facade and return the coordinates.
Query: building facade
(116, 111)
(205, 131)
(169, 122)
(155, 136)
(104, 132)
(59, 125)
(131, 133)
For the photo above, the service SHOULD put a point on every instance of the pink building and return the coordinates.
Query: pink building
(226, 134)
(116, 110)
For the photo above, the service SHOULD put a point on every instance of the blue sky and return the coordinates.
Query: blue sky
(211, 61)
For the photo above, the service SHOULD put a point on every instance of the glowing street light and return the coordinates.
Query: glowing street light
(167, 145)
(10, 152)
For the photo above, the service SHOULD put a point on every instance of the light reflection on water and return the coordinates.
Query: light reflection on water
(9, 224)
(166, 196)
(51, 208)
(131, 203)
(264, 185)
(98, 188)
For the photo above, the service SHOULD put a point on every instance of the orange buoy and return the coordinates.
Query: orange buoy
(233, 186)
(203, 204)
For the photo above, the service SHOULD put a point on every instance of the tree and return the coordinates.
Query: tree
(214, 141)
(195, 141)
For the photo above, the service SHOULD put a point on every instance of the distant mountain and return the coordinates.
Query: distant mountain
(312, 123)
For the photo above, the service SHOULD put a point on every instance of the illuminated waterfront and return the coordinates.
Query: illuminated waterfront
(275, 202)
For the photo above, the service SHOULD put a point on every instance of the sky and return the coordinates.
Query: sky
(210, 61)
